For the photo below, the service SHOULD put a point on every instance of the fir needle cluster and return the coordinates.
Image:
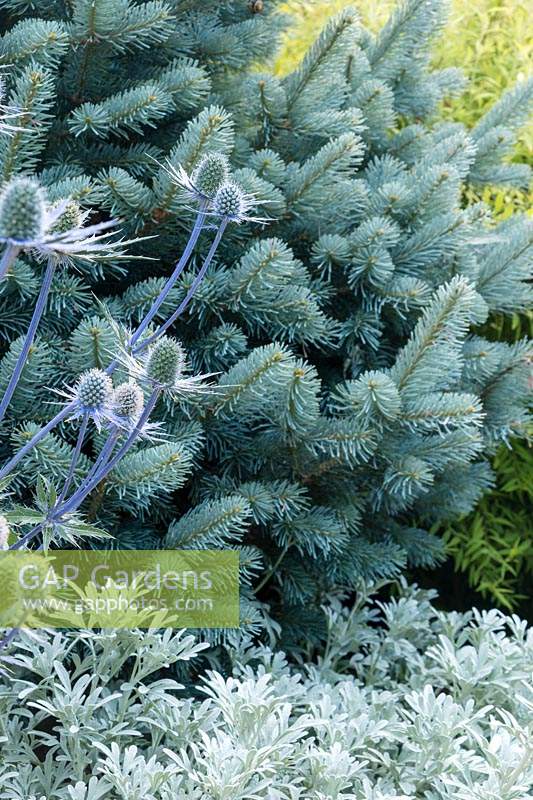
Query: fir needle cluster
(358, 401)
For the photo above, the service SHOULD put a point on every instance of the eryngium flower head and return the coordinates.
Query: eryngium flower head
(232, 203)
(165, 362)
(22, 212)
(29, 222)
(210, 174)
(4, 533)
(205, 180)
(128, 405)
(128, 400)
(72, 217)
(162, 365)
(92, 397)
(94, 390)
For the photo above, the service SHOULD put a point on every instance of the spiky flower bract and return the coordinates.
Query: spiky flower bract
(7, 112)
(22, 212)
(66, 237)
(57, 230)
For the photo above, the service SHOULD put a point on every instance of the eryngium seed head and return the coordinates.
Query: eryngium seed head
(69, 219)
(4, 532)
(22, 211)
(128, 400)
(166, 361)
(211, 173)
(94, 389)
(229, 201)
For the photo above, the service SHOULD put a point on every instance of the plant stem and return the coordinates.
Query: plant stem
(63, 414)
(10, 253)
(104, 454)
(180, 266)
(28, 536)
(8, 638)
(186, 300)
(102, 459)
(106, 465)
(273, 568)
(79, 496)
(30, 336)
(75, 458)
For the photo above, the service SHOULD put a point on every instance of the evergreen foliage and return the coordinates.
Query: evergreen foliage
(492, 42)
(493, 545)
(400, 702)
(354, 407)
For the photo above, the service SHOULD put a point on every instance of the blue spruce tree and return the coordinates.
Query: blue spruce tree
(335, 283)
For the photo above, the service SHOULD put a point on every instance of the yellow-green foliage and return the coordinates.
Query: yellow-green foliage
(494, 544)
(490, 40)
(310, 16)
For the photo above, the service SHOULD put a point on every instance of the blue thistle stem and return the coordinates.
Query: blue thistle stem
(10, 253)
(73, 464)
(88, 485)
(12, 463)
(188, 297)
(30, 336)
(106, 465)
(180, 266)
(28, 536)
(104, 454)
(75, 458)
(8, 638)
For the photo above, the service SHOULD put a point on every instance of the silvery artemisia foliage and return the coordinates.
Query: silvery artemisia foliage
(356, 400)
(403, 702)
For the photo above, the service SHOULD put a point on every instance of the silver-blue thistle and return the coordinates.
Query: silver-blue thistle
(230, 201)
(22, 211)
(165, 362)
(128, 400)
(210, 174)
(94, 390)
